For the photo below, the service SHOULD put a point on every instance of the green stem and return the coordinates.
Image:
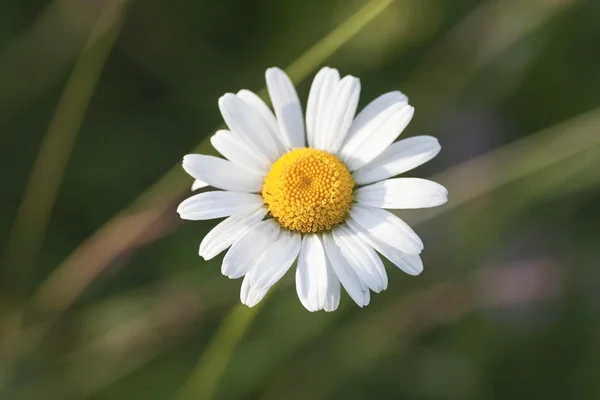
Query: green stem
(206, 375)
(33, 214)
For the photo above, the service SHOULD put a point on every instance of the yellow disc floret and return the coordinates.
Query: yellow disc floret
(308, 190)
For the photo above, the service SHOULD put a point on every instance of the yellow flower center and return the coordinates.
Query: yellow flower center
(308, 190)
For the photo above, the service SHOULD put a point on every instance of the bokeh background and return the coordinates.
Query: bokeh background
(99, 99)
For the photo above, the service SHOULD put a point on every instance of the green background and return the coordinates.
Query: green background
(508, 306)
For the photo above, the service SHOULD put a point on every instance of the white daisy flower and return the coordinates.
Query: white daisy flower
(313, 193)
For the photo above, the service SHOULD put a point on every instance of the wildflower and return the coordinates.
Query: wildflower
(312, 190)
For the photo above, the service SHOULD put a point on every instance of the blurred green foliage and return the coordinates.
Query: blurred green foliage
(508, 304)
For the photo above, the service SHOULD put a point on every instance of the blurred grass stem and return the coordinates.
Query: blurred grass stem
(304, 65)
(206, 375)
(33, 214)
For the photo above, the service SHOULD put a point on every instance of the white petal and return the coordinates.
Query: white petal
(353, 285)
(362, 258)
(387, 227)
(210, 205)
(376, 135)
(313, 103)
(287, 107)
(246, 251)
(341, 109)
(332, 299)
(259, 105)
(402, 193)
(222, 174)
(373, 109)
(311, 274)
(267, 115)
(228, 231)
(248, 295)
(246, 121)
(321, 117)
(235, 150)
(400, 157)
(276, 261)
(409, 263)
(198, 184)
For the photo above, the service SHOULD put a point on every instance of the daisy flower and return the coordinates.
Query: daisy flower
(312, 189)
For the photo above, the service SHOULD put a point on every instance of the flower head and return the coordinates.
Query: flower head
(314, 193)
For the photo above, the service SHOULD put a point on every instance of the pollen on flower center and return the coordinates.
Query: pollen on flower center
(308, 190)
